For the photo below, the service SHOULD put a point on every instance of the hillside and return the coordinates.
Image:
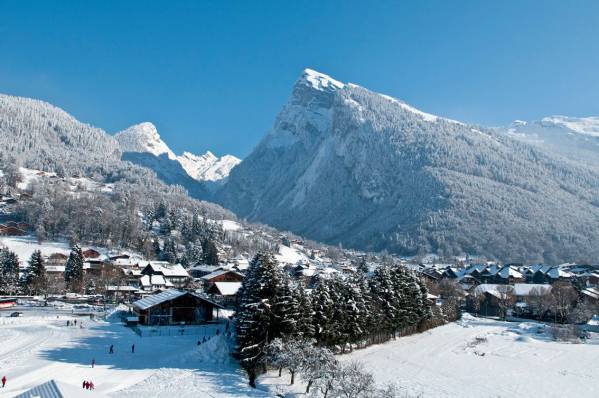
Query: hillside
(574, 138)
(346, 165)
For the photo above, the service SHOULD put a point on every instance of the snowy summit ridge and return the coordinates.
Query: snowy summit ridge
(144, 138)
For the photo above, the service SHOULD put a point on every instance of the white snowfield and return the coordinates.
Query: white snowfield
(455, 360)
(470, 358)
(37, 348)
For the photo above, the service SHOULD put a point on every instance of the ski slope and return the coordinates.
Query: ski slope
(39, 346)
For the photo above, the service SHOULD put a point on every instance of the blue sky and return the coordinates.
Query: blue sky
(214, 74)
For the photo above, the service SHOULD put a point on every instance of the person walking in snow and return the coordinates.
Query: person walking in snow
(111, 350)
(133, 349)
(84, 384)
(3, 381)
(91, 385)
(93, 362)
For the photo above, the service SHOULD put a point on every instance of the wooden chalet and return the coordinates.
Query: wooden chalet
(174, 307)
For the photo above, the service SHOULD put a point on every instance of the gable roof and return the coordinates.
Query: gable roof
(166, 269)
(227, 288)
(167, 295)
(57, 389)
(219, 273)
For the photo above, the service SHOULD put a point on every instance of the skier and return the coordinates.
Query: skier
(93, 362)
(3, 381)
(133, 349)
(111, 350)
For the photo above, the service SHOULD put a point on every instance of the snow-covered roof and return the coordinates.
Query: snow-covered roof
(58, 389)
(228, 288)
(556, 273)
(167, 295)
(169, 270)
(510, 272)
(159, 298)
(518, 289)
(219, 273)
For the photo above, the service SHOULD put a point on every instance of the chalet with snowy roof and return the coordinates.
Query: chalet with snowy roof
(509, 274)
(173, 275)
(91, 253)
(221, 276)
(225, 293)
(175, 307)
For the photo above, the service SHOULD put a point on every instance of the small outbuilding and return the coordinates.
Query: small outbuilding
(174, 306)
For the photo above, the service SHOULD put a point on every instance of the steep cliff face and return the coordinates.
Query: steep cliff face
(346, 165)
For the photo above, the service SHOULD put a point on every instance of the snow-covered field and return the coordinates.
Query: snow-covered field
(485, 358)
(39, 346)
(476, 358)
(470, 358)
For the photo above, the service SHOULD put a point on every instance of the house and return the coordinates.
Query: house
(90, 253)
(174, 306)
(221, 276)
(174, 274)
(149, 283)
(200, 270)
(225, 292)
(57, 389)
(509, 275)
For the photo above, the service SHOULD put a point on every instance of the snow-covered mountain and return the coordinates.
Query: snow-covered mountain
(208, 167)
(574, 138)
(346, 165)
(143, 138)
(45, 137)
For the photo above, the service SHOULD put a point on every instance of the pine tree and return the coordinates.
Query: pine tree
(324, 311)
(36, 279)
(256, 324)
(305, 326)
(73, 273)
(9, 272)
(169, 251)
(286, 309)
(209, 252)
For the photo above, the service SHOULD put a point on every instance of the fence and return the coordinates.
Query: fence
(174, 331)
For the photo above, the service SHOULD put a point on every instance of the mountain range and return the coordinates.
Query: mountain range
(345, 165)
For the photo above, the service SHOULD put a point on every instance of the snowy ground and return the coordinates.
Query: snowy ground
(470, 358)
(39, 346)
(479, 358)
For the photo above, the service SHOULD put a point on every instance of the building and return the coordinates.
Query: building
(221, 276)
(225, 293)
(174, 275)
(174, 307)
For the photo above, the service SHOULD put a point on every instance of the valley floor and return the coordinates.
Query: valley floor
(477, 357)
(470, 358)
(39, 346)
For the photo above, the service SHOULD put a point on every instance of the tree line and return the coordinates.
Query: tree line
(339, 314)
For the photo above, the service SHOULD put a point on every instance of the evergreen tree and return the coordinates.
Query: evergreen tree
(256, 324)
(209, 252)
(9, 272)
(36, 279)
(169, 251)
(286, 309)
(305, 326)
(73, 273)
(323, 309)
